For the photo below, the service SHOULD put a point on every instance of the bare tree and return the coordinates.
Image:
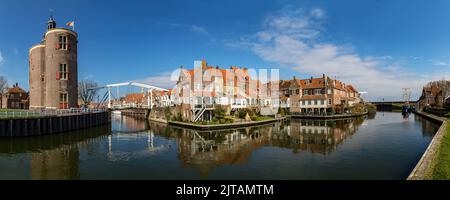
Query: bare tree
(3, 84)
(445, 86)
(85, 92)
(3, 87)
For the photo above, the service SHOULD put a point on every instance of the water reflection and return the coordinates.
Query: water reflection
(428, 128)
(55, 156)
(137, 149)
(208, 150)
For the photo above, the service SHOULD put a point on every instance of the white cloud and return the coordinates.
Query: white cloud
(195, 29)
(199, 30)
(317, 12)
(290, 38)
(165, 80)
(1, 58)
(441, 63)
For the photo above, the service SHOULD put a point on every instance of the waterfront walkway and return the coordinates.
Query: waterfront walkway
(337, 116)
(223, 126)
(425, 166)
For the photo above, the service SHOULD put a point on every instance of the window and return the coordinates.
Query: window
(297, 91)
(305, 92)
(63, 43)
(63, 75)
(329, 101)
(63, 101)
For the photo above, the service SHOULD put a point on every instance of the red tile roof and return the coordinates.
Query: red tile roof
(135, 97)
(16, 89)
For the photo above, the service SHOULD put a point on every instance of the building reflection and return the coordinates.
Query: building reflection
(124, 124)
(205, 151)
(429, 128)
(56, 157)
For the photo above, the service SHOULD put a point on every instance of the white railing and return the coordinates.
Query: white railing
(47, 112)
(129, 105)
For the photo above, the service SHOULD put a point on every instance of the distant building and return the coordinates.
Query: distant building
(135, 99)
(53, 70)
(15, 98)
(276, 94)
(433, 94)
(321, 95)
(199, 89)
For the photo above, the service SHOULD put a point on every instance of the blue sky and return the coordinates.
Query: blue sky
(378, 46)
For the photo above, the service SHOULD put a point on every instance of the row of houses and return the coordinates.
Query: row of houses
(435, 94)
(201, 89)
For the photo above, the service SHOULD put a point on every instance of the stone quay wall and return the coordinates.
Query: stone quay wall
(11, 128)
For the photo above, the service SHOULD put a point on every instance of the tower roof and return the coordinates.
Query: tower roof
(51, 24)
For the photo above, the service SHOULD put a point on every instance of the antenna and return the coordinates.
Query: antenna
(406, 95)
(51, 11)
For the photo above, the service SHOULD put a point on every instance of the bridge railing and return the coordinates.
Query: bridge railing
(8, 114)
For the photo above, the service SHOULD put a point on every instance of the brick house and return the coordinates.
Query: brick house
(199, 89)
(321, 95)
(15, 98)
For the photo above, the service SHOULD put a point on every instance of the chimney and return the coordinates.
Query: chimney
(204, 64)
(295, 78)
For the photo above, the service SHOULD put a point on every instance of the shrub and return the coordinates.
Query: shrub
(243, 112)
(358, 108)
(282, 112)
(229, 120)
(219, 112)
(167, 113)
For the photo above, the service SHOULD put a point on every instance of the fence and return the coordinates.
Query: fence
(8, 114)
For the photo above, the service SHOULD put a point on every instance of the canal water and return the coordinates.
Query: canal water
(384, 146)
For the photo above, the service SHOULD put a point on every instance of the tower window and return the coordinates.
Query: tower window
(63, 101)
(63, 74)
(62, 42)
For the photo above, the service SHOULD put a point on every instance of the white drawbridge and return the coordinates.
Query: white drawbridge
(149, 88)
